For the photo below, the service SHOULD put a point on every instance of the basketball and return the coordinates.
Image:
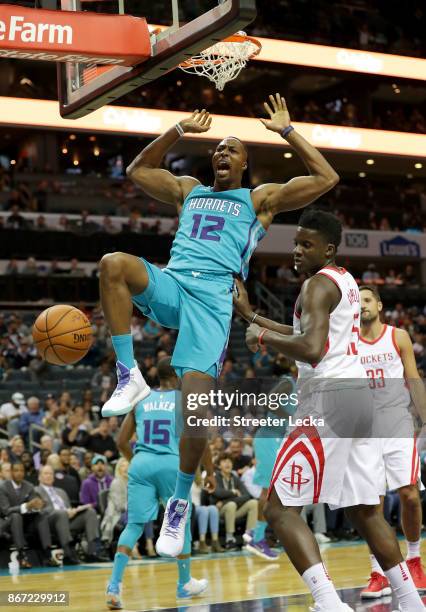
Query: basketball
(62, 334)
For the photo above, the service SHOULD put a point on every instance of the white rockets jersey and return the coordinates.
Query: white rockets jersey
(381, 359)
(341, 358)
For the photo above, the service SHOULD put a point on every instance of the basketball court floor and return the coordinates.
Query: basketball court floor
(237, 582)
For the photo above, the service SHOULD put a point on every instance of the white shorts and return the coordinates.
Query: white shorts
(318, 464)
(400, 466)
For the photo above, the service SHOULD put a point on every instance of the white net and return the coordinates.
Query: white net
(223, 61)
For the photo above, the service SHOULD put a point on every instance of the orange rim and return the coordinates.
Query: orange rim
(235, 38)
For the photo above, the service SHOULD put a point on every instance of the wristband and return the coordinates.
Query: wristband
(260, 337)
(180, 130)
(286, 131)
(253, 319)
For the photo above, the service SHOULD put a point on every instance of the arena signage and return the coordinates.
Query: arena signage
(66, 36)
(337, 58)
(400, 247)
(151, 122)
(356, 240)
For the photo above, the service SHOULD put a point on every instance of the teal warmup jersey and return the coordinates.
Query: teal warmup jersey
(218, 232)
(159, 423)
(155, 463)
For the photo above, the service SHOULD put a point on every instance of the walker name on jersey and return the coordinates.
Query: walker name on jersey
(215, 205)
(166, 405)
(378, 358)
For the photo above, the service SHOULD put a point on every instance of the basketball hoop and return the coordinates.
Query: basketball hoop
(223, 61)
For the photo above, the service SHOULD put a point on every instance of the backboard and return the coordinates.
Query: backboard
(179, 30)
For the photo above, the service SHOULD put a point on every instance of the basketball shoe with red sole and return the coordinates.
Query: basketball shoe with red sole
(378, 586)
(417, 573)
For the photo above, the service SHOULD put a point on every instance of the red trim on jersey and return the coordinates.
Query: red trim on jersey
(394, 342)
(283, 458)
(297, 314)
(331, 278)
(377, 339)
(326, 349)
(414, 463)
(336, 268)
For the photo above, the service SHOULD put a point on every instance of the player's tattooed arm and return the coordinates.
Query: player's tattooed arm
(415, 383)
(271, 199)
(319, 297)
(244, 309)
(125, 434)
(157, 182)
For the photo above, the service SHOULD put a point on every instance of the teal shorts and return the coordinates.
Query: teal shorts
(265, 451)
(199, 305)
(151, 481)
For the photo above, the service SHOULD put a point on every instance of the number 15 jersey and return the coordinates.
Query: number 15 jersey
(159, 422)
(218, 232)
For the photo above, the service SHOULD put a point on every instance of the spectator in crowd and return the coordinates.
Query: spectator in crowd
(40, 224)
(409, 277)
(20, 504)
(16, 448)
(207, 517)
(262, 359)
(33, 416)
(5, 471)
(99, 480)
(51, 421)
(15, 220)
(67, 521)
(240, 462)
(86, 468)
(75, 433)
(75, 268)
(247, 480)
(30, 267)
(24, 355)
(371, 276)
(101, 442)
(391, 279)
(66, 477)
(46, 443)
(10, 413)
(233, 501)
(31, 474)
(75, 462)
(12, 268)
(116, 510)
(227, 374)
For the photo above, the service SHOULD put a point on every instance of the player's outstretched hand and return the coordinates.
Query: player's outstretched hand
(241, 300)
(252, 334)
(278, 113)
(198, 122)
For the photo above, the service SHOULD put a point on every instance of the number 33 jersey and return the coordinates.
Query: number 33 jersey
(381, 359)
(218, 232)
(159, 422)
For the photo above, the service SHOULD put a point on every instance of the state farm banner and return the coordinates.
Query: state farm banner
(356, 243)
(67, 36)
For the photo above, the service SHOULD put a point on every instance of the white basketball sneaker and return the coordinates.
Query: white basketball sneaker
(172, 534)
(192, 588)
(131, 388)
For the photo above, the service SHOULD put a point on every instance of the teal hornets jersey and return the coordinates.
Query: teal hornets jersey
(218, 232)
(159, 422)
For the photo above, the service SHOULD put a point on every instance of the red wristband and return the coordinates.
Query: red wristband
(260, 337)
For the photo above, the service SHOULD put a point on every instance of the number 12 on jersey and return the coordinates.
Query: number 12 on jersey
(205, 231)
